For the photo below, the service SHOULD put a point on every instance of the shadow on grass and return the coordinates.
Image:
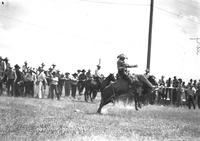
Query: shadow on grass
(82, 101)
(108, 113)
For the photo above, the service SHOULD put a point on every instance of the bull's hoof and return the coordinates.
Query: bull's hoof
(98, 112)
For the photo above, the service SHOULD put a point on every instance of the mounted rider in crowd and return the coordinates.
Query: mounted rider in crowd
(97, 75)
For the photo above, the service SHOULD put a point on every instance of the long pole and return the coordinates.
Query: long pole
(150, 36)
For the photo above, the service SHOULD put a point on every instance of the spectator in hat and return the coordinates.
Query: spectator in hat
(42, 65)
(179, 93)
(25, 67)
(81, 81)
(53, 66)
(191, 93)
(10, 81)
(174, 91)
(161, 82)
(54, 86)
(29, 83)
(74, 80)
(61, 82)
(18, 87)
(6, 60)
(40, 79)
(198, 96)
(147, 72)
(67, 84)
(168, 91)
(88, 74)
(2, 71)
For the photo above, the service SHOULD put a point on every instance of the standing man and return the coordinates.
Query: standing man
(10, 81)
(88, 74)
(179, 94)
(29, 87)
(161, 83)
(2, 73)
(18, 81)
(191, 94)
(74, 84)
(25, 68)
(67, 84)
(54, 86)
(61, 82)
(42, 65)
(174, 92)
(81, 81)
(53, 68)
(40, 78)
(168, 88)
(198, 96)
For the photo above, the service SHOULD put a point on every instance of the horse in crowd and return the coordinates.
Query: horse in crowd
(92, 86)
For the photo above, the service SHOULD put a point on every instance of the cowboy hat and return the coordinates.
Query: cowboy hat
(40, 69)
(17, 66)
(74, 74)
(147, 71)
(122, 56)
(6, 59)
(67, 73)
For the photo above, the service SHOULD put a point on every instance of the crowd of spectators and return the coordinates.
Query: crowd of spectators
(178, 92)
(26, 81)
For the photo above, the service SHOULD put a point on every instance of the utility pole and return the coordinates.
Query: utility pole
(198, 44)
(150, 35)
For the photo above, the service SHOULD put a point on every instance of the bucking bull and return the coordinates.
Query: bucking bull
(121, 88)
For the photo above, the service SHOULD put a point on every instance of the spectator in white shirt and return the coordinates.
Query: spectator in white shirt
(40, 79)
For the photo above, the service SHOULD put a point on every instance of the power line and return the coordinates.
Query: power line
(114, 3)
(176, 14)
(20, 21)
(190, 4)
(31, 24)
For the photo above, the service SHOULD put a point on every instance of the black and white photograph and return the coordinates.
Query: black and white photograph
(99, 70)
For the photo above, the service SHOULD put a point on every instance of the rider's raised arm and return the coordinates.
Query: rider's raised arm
(131, 66)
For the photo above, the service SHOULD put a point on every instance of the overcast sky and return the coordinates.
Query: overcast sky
(74, 34)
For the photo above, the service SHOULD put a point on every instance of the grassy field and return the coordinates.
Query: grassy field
(45, 119)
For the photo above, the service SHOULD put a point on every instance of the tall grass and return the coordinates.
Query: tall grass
(44, 119)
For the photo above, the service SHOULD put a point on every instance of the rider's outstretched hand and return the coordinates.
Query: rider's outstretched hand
(133, 66)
